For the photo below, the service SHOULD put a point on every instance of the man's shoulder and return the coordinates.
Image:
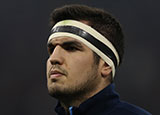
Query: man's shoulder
(124, 108)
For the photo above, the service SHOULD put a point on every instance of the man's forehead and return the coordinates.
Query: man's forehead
(61, 40)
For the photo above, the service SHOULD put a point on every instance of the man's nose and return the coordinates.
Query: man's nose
(57, 56)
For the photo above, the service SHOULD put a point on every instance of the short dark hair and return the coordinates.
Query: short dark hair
(98, 19)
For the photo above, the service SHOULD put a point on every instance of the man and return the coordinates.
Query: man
(85, 48)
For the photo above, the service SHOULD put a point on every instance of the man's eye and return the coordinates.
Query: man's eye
(71, 48)
(50, 50)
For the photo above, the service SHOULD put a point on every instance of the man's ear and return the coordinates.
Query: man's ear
(106, 70)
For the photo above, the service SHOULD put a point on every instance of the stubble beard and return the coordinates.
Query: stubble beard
(80, 90)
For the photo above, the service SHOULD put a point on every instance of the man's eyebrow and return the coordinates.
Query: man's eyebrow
(66, 43)
(75, 43)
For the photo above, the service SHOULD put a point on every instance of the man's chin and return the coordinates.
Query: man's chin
(53, 93)
(60, 93)
(56, 92)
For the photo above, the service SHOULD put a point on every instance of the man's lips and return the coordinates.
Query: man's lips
(55, 74)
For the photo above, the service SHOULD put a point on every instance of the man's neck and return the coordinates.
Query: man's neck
(75, 101)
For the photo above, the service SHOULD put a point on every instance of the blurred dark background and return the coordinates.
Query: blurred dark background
(23, 35)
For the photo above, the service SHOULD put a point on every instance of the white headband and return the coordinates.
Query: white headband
(90, 37)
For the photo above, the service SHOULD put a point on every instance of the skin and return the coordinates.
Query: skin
(75, 77)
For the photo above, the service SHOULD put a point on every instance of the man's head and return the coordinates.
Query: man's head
(98, 19)
(73, 68)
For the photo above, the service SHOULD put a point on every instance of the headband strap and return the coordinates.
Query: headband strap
(85, 35)
(89, 37)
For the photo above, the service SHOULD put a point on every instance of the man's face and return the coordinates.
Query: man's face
(70, 68)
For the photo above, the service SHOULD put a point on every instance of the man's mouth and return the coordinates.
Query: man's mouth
(55, 73)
